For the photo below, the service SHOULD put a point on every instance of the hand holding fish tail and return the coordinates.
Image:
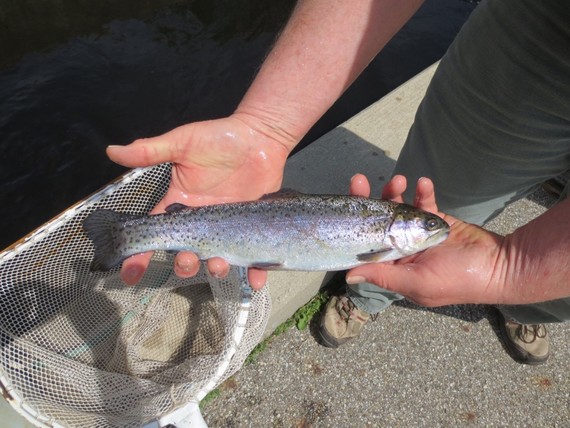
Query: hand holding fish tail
(225, 160)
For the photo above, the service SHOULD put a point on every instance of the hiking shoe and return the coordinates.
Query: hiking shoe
(556, 185)
(526, 343)
(341, 322)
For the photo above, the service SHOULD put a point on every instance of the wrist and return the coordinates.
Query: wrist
(533, 264)
(519, 272)
(270, 125)
(501, 282)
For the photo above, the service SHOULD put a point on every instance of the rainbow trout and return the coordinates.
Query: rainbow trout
(283, 231)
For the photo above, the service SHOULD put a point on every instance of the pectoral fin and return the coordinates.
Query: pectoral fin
(373, 256)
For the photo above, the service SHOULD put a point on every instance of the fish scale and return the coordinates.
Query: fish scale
(286, 230)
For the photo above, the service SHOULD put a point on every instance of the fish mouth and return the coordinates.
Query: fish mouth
(438, 237)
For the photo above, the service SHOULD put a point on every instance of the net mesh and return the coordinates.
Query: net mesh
(80, 349)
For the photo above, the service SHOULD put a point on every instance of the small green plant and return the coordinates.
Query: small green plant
(305, 314)
(262, 346)
(212, 395)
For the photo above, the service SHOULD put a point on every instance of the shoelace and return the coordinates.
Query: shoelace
(345, 307)
(529, 333)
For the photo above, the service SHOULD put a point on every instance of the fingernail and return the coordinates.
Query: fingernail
(184, 266)
(356, 279)
(422, 179)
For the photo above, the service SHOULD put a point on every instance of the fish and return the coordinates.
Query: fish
(286, 230)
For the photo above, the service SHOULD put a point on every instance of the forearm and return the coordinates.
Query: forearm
(323, 48)
(534, 262)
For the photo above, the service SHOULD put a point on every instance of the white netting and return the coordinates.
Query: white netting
(80, 349)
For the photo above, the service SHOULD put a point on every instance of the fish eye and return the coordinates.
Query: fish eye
(431, 224)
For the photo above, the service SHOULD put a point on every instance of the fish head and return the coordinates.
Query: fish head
(413, 230)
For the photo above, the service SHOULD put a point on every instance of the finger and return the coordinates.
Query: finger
(394, 189)
(425, 195)
(146, 151)
(402, 278)
(359, 186)
(186, 264)
(134, 267)
(257, 278)
(218, 267)
(391, 277)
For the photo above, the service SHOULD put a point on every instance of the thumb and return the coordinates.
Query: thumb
(145, 152)
(392, 277)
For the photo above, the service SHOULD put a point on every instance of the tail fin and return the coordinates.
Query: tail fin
(102, 227)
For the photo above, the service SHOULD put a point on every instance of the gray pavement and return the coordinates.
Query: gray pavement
(413, 367)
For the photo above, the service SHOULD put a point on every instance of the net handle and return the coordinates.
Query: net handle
(188, 416)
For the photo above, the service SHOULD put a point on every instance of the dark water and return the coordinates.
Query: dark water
(76, 76)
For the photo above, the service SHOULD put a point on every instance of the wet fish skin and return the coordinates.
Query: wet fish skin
(285, 231)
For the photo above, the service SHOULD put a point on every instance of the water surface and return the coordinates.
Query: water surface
(76, 76)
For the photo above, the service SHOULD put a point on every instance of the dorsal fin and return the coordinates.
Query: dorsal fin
(282, 194)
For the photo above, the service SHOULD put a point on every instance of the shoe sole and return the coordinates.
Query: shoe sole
(327, 340)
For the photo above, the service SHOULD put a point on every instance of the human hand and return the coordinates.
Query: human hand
(459, 270)
(225, 160)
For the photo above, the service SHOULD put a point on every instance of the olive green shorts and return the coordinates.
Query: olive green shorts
(495, 121)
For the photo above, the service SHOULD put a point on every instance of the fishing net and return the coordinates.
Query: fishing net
(81, 349)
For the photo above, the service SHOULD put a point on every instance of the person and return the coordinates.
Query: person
(494, 123)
